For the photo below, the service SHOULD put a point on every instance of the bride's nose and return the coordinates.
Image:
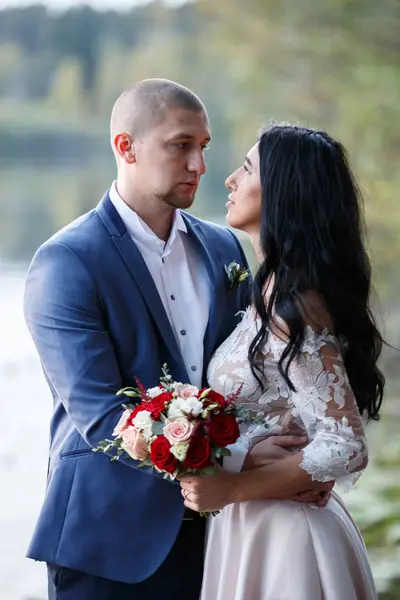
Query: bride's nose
(230, 182)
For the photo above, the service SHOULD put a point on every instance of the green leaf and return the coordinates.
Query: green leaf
(213, 470)
(225, 452)
(130, 394)
(157, 428)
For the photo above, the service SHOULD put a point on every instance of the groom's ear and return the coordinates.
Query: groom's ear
(125, 147)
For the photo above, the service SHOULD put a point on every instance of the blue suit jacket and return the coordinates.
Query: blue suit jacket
(97, 321)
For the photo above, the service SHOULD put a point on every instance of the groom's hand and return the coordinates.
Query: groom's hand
(277, 447)
(271, 449)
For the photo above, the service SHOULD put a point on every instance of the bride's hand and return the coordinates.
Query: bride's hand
(271, 449)
(208, 493)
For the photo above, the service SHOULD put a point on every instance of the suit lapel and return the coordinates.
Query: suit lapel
(137, 267)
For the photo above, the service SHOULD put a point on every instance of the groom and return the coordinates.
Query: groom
(131, 285)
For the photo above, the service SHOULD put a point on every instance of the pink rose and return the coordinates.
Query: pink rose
(122, 423)
(179, 430)
(134, 444)
(186, 391)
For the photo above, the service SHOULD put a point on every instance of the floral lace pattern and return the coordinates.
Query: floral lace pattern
(323, 406)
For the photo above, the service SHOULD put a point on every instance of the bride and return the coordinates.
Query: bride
(305, 353)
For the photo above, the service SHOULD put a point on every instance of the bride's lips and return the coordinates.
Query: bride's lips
(230, 201)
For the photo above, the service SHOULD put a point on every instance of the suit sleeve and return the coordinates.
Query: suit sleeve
(63, 313)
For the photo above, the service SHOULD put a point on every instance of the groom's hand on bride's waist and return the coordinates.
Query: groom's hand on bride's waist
(271, 449)
(278, 447)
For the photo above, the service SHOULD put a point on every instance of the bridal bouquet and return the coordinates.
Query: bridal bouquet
(176, 428)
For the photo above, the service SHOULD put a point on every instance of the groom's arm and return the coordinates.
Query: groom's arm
(63, 313)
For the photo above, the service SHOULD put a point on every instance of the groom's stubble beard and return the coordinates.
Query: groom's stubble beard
(176, 200)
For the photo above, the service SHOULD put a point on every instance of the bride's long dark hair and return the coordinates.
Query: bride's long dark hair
(312, 240)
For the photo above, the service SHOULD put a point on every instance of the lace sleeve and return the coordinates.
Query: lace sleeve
(326, 405)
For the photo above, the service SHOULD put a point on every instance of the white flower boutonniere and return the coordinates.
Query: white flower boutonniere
(236, 274)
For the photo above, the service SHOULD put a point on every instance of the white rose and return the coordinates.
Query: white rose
(144, 423)
(175, 408)
(155, 391)
(180, 451)
(193, 406)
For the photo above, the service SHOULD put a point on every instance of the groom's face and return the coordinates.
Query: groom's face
(170, 157)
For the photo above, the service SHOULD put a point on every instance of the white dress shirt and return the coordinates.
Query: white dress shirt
(181, 280)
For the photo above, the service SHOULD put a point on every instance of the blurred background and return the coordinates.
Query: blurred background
(333, 64)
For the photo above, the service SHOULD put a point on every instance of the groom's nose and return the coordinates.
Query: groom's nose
(196, 163)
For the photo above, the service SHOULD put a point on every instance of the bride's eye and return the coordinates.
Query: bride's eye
(246, 168)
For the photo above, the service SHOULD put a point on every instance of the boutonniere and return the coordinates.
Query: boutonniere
(236, 274)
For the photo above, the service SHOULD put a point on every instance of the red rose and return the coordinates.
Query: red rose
(213, 398)
(138, 409)
(157, 404)
(198, 454)
(161, 456)
(223, 430)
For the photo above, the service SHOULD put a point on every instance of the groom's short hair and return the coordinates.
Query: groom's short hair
(144, 105)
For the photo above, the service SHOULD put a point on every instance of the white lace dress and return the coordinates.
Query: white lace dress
(281, 549)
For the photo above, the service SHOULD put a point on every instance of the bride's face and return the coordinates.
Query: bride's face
(244, 205)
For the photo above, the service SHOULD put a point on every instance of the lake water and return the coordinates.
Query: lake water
(24, 414)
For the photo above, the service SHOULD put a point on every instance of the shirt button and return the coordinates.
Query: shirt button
(183, 332)
(194, 368)
(162, 260)
(172, 297)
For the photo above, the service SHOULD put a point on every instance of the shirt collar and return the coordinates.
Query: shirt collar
(138, 229)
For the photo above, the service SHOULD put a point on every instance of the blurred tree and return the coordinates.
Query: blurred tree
(66, 87)
(77, 34)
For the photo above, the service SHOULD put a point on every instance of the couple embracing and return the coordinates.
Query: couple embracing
(138, 282)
